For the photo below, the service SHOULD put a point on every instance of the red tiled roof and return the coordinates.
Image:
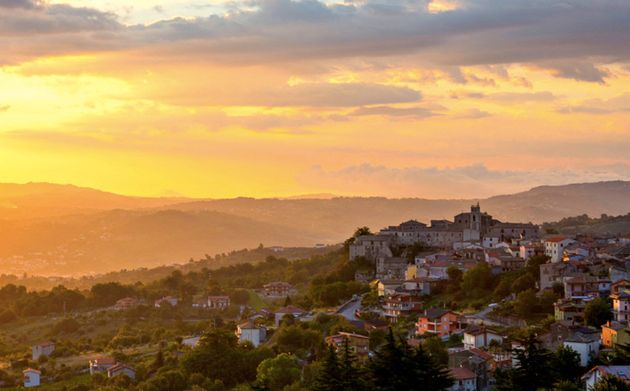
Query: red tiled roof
(556, 239)
(462, 373)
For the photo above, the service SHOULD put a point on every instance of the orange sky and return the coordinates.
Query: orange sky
(278, 97)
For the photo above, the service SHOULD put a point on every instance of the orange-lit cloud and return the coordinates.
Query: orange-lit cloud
(280, 97)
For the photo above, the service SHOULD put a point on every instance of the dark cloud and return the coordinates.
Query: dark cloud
(572, 38)
(19, 4)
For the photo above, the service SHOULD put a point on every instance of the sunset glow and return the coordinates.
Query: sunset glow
(280, 97)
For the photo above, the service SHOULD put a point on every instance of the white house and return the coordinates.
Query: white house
(249, 332)
(464, 380)
(593, 376)
(42, 349)
(554, 247)
(586, 345)
(480, 337)
(31, 377)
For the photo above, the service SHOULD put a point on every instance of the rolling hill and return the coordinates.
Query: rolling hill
(61, 229)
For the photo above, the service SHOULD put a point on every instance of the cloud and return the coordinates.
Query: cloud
(283, 95)
(572, 38)
(4, 108)
(618, 104)
(396, 112)
(580, 71)
(28, 4)
(463, 182)
(506, 97)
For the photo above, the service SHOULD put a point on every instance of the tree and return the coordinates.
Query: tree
(388, 370)
(611, 383)
(597, 312)
(523, 283)
(478, 281)
(503, 289)
(436, 349)
(350, 377)
(219, 356)
(276, 373)
(533, 370)
(396, 366)
(455, 276)
(329, 376)
(566, 363)
(526, 304)
(298, 340)
(566, 385)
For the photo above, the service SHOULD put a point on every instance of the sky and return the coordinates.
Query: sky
(263, 98)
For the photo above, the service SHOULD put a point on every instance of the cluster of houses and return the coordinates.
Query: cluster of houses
(582, 268)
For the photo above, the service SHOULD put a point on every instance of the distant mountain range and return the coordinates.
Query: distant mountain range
(63, 229)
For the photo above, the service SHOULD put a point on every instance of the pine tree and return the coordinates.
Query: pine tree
(350, 374)
(389, 369)
(430, 371)
(330, 377)
(534, 369)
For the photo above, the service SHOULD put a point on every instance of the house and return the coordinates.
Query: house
(464, 379)
(400, 305)
(218, 302)
(169, 301)
(121, 370)
(581, 286)
(571, 310)
(31, 377)
(101, 364)
(42, 349)
(387, 287)
(252, 333)
(127, 303)
(596, 373)
(438, 270)
(278, 289)
(391, 268)
(480, 337)
(358, 344)
(419, 285)
(475, 360)
(615, 333)
(586, 345)
(551, 273)
(439, 322)
(554, 247)
(191, 341)
(621, 304)
(528, 251)
(371, 247)
(295, 312)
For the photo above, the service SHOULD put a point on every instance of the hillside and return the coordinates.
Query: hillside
(610, 225)
(55, 229)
